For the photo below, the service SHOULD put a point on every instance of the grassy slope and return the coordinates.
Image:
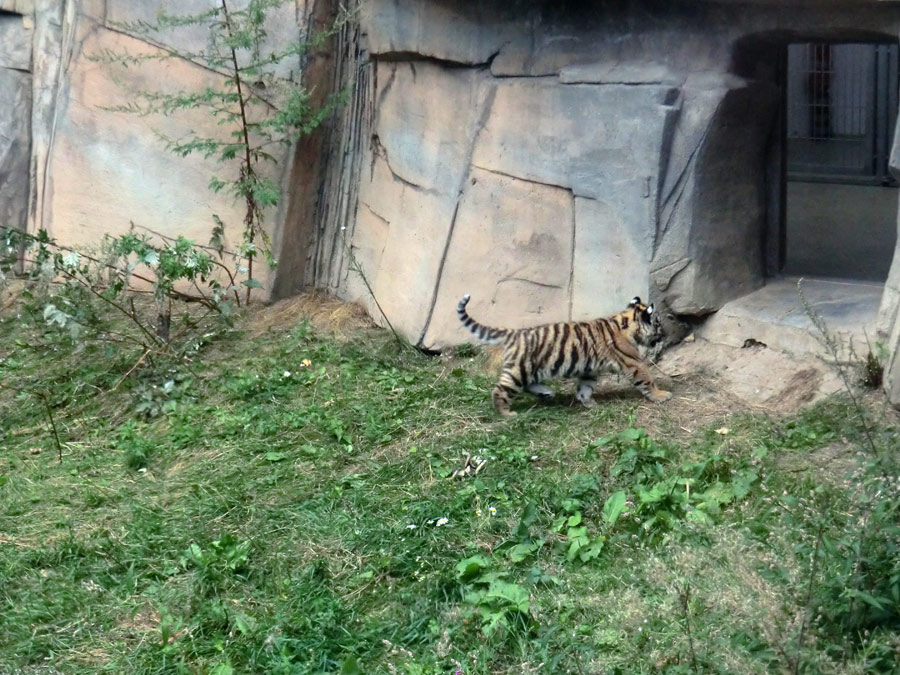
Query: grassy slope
(264, 521)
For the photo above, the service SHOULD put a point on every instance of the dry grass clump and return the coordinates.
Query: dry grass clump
(325, 312)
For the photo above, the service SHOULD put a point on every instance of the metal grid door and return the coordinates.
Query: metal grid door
(841, 108)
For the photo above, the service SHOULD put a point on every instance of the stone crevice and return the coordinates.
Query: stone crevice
(479, 127)
(528, 281)
(571, 288)
(412, 58)
(383, 90)
(678, 188)
(437, 281)
(663, 276)
(376, 214)
(496, 172)
(380, 152)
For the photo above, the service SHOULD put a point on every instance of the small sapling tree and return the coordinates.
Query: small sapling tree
(257, 107)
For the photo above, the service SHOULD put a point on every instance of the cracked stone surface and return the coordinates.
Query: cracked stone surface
(468, 33)
(510, 250)
(15, 108)
(426, 124)
(554, 164)
(600, 124)
(776, 316)
(95, 171)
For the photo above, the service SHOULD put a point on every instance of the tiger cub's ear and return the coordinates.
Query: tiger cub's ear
(650, 309)
(635, 301)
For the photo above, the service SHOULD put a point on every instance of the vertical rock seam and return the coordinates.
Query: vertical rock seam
(482, 122)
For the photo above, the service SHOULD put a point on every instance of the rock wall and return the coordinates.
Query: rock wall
(889, 312)
(15, 111)
(556, 159)
(80, 170)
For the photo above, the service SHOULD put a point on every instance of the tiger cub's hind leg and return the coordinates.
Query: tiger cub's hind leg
(507, 387)
(542, 391)
(585, 393)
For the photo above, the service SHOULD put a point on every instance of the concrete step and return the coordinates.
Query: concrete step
(776, 316)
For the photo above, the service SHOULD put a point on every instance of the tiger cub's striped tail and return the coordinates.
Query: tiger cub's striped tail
(487, 334)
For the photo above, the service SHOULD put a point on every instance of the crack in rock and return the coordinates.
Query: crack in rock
(379, 151)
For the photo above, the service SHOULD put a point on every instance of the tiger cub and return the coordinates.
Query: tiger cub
(581, 349)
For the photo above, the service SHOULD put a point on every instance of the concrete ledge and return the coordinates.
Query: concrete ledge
(775, 316)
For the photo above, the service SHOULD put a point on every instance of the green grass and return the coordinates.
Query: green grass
(232, 517)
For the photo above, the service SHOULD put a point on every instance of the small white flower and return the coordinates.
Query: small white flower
(287, 373)
(477, 512)
(411, 526)
(430, 522)
(493, 511)
(441, 521)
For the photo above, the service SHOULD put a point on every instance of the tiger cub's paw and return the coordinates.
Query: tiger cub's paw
(659, 396)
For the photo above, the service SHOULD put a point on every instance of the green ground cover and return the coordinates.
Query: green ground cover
(286, 505)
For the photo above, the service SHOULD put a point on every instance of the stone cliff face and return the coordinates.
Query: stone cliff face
(15, 110)
(556, 159)
(71, 166)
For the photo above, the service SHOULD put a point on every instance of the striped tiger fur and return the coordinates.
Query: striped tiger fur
(580, 349)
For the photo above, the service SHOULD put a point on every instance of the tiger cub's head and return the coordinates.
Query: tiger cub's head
(641, 323)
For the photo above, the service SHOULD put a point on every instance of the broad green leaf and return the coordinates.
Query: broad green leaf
(492, 619)
(350, 666)
(574, 548)
(592, 550)
(512, 594)
(613, 507)
(698, 516)
(571, 505)
(867, 598)
(519, 552)
(529, 515)
(577, 532)
(468, 568)
(245, 623)
(631, 434)
(149, 257)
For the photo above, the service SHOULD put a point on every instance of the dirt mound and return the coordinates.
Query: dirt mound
(754, 374)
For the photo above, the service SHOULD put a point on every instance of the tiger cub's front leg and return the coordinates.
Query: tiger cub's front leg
(643, 380)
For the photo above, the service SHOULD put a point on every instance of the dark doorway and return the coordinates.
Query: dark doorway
(840, 199)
